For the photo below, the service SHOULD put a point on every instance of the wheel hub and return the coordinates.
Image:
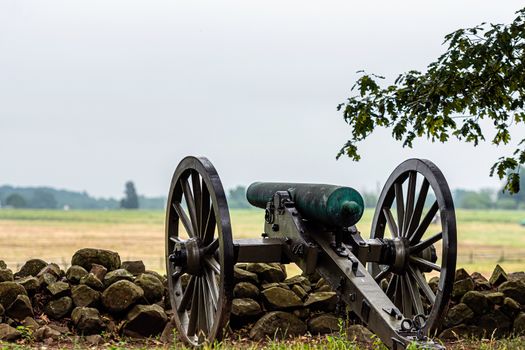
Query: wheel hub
(188, 255)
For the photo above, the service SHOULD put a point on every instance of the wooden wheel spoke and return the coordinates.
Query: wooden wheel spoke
(212, 247)
(382, 274)
(176, 275)
(405, 297)
(424, 263)
(203, 309)
(194, 310)
(197, 195)
(391, 287)
(205, 208)
(409, 209)
(423, 226)
(209, 230)
(213, 264)
(187, 295)
(398, 292)
(417, 303)
(391, 223)
(426, 243)
(422, 283)
(400, 203)
(418, 209)
(190, 202)
(184, 218)
(214, 293)
(176, 239)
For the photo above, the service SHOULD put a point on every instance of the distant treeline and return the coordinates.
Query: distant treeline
(51, 198)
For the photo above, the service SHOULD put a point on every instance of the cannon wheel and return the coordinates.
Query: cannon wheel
(201, 288)
(400, 207)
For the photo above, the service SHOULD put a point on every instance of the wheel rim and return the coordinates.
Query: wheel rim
(401, 210)
(200, 280)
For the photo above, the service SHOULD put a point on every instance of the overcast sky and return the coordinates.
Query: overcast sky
(93, 93)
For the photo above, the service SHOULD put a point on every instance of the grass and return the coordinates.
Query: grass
(484, 237)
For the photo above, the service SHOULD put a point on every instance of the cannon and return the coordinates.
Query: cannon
(384, 279)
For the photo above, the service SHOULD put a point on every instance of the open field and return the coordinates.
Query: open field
(484, 237)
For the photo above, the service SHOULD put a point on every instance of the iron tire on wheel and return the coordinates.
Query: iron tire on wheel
(413, 286)
(197, 203)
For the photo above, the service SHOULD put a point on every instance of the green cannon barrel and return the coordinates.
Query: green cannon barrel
(334, 206)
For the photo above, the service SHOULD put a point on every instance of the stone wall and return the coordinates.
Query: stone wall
(101, 293)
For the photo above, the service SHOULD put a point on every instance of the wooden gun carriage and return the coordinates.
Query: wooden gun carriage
(382, 279)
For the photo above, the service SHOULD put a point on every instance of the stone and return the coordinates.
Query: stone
(320, 283)
(434, 284)
(20, 308)
(322, 324)
(245, 308)
(31, 284)
(302, 313)
(324, 288)
(462, 332)
(88, 256)
(99, 271)
(163, 279)
(2, 311)
(3, 265)
(31, 268)
(9, 333)
(513, 276)
(59, 328)
(30, 323)
(495, 323)
(274, 284)
(325, 301)
(359, 334)
(495, 298)
(281, 298)
(461, 274)
(134, 267)
(121, 295)
(498, 276)
(459, 313)
(514, 289)
(519, 324)
(52, 269)
(476, 301)
(75, 273)
(58, 289)
(245, 290)
(87, 320)
(299, 291)
(461, 287)
(9, 291)
(241, 275)
(6, 275)
(511, 308)
(84, 295)
(277, 325)
(117, 275)
(94, 339)
(145, 321)
(59, 308)
(480, 282)
(46, 279)
(152, 287)
(92, 281)
(267, 272)
(46, 332)
(303, 281)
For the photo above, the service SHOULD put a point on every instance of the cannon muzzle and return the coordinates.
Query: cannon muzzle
(334, 206)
